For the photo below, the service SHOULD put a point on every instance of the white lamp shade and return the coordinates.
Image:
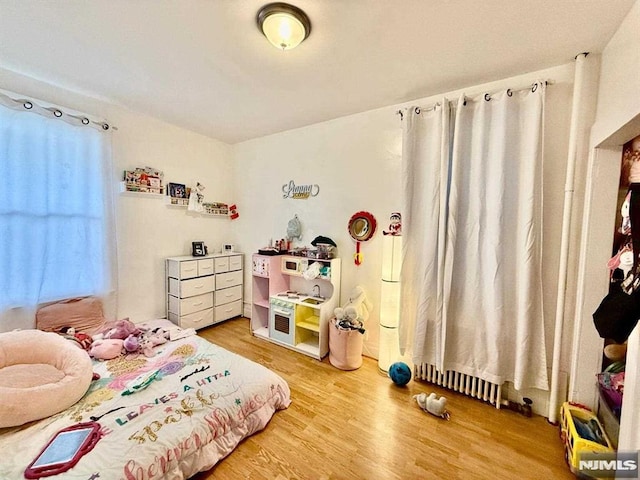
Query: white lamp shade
(389, 304)
(391, 258)
(389, 352)
(283, 30)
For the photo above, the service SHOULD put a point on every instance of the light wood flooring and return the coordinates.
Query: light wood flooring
(359, 425)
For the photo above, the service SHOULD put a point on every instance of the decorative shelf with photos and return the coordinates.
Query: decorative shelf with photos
(143, 181)
(178, 195)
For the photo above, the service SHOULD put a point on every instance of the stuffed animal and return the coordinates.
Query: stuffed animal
(120, 329)
(106, 349)
(196, 198)
(83, 340)
(395, 227)
(151, 338)
(433, 405)
(356, 309)
(131, 344)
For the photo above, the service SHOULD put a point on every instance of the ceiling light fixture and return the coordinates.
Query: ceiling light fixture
(284, 25)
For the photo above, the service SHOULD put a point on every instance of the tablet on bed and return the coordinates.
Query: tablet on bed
(64, 450)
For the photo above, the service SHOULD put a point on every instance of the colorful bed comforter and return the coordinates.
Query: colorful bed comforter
(168, 416)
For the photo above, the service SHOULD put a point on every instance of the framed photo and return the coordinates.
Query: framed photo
(198, 249)
(177, 190)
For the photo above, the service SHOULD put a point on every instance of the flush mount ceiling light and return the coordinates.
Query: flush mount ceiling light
(284, 25)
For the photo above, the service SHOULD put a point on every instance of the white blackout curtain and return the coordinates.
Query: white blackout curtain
(471, 277)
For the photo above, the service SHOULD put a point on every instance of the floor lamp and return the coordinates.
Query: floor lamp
(390, 301)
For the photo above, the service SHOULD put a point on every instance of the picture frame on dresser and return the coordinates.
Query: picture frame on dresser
(198, 249)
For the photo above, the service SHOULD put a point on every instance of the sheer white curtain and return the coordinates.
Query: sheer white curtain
(57, 231)
(481, 314)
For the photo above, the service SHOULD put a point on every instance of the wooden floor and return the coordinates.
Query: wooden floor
(359, 425)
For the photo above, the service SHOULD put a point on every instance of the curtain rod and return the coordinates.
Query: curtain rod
(32, 106)
(487, 96)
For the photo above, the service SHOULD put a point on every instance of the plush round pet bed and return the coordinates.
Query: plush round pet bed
(41, 374)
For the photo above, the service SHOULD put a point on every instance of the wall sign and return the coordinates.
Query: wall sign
(291, 190)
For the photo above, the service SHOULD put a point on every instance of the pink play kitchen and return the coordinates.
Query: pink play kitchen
(294, 298)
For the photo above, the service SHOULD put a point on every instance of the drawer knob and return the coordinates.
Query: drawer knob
(198, 286)
(197, 304)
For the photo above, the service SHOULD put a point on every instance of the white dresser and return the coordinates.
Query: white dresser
(202, 291)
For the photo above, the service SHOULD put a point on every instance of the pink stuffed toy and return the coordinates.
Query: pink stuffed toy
(131, 344)
(150, 339)
(120, 329)
(106, 349)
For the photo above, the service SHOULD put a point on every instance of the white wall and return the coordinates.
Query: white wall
(356, 161)
(147, 229)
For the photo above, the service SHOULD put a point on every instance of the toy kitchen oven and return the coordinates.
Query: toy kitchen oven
(282, 318)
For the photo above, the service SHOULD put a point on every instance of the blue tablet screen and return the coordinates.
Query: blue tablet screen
(63, 448)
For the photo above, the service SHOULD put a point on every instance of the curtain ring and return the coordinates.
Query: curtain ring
(57, 113)
(85, 121)
(105, 126)
(534, 87)
(27, 105)
(487, 97)
(509, 92)
(417, 110)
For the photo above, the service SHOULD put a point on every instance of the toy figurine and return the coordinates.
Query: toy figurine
(395, 227)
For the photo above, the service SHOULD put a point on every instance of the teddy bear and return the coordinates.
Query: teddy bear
(432, 404)
(356, 311)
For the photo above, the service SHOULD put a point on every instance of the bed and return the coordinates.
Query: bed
(167, 416)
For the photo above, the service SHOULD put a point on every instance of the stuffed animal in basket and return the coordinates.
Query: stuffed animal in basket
(432, 404)
(356, 310)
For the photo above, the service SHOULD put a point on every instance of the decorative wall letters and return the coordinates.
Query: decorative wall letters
(291, 190)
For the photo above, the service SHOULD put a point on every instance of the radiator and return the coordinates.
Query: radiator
(459, 382)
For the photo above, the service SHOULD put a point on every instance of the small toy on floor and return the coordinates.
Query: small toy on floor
(433, 405)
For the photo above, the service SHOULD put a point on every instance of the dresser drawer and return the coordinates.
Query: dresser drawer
(185, 306)
(229, 279)
(182, 270)
(197, 320)
(228, 310)
(235, 263)
(191, 287)
(222, 264)
(205, 267)
(227, 295)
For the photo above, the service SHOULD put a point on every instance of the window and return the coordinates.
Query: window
(56, 222)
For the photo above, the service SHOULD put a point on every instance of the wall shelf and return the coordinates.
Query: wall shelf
(135, 193)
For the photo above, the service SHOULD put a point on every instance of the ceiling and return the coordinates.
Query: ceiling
(204, 65)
